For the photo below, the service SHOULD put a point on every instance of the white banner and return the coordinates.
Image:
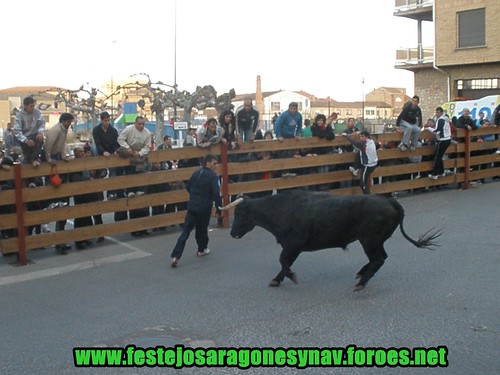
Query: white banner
(486, 105)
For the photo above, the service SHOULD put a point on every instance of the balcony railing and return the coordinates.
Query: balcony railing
(411, 56)
(405, 5)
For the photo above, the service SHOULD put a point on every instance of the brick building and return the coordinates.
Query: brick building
(465, 59)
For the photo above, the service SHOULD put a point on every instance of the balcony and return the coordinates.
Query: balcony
(415, 9)
(410, 58)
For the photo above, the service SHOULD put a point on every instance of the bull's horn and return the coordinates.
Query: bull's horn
(232, 204)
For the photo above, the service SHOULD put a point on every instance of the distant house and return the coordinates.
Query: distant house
(11, 100)
(395, 97)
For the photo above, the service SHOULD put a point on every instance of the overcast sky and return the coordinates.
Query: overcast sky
(323, 47)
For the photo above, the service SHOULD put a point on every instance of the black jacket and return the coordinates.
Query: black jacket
(105, 140)
(411, 115)
(248, 119)
(203, 188)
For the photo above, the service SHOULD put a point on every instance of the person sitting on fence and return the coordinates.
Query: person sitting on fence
(410, 122)
(29, 131)
(209, 134)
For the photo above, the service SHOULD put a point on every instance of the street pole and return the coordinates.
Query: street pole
(363, 94)
(175, 60)
(112, 88)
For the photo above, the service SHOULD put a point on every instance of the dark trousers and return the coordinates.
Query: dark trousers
(193, 220)
(438, 158)
(31, 153)
(365, 178)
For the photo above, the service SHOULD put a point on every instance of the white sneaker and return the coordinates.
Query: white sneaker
(45, 228)
(354, 171)
(111, 197)
(139, 193)
(402, 147)
(203, 253)
(131, 195)
(434, 177)
(57, 205)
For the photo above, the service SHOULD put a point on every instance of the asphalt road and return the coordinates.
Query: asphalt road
(123, 291)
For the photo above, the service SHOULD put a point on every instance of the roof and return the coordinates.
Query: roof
(306, 94)
(265, 94)
(395, 90)
(23, 91)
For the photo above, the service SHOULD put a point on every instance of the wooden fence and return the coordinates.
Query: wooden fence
(469, 159)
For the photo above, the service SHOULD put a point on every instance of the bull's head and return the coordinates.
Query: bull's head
(243, 221)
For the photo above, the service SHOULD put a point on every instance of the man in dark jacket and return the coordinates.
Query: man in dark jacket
(410, 122)
(465, 121)
(203, 188)
(106, 143)
(247, 120)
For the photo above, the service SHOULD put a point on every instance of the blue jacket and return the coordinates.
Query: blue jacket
(288, 126)
(203, 188)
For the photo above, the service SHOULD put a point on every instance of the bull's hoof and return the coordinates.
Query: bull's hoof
(358, 287)
(274, 283)
(293, 276)
(358, 276)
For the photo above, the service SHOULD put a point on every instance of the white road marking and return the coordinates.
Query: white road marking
(135, 253)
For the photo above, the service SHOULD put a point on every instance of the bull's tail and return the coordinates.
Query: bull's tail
(426, 240)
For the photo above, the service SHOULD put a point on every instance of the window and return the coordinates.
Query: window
(275, 106)
(370, 112)
(471, 28)
(478, 84)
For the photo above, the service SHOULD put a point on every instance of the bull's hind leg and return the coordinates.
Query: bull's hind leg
(287, 258)
(377, 257)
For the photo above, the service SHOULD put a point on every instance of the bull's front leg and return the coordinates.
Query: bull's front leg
(287, 257)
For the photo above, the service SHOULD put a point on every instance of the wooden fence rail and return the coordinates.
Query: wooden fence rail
(395, 173)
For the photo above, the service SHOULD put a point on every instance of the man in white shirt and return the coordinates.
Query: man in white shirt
(135, 141)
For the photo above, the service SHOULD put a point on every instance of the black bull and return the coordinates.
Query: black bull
(308, 221)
